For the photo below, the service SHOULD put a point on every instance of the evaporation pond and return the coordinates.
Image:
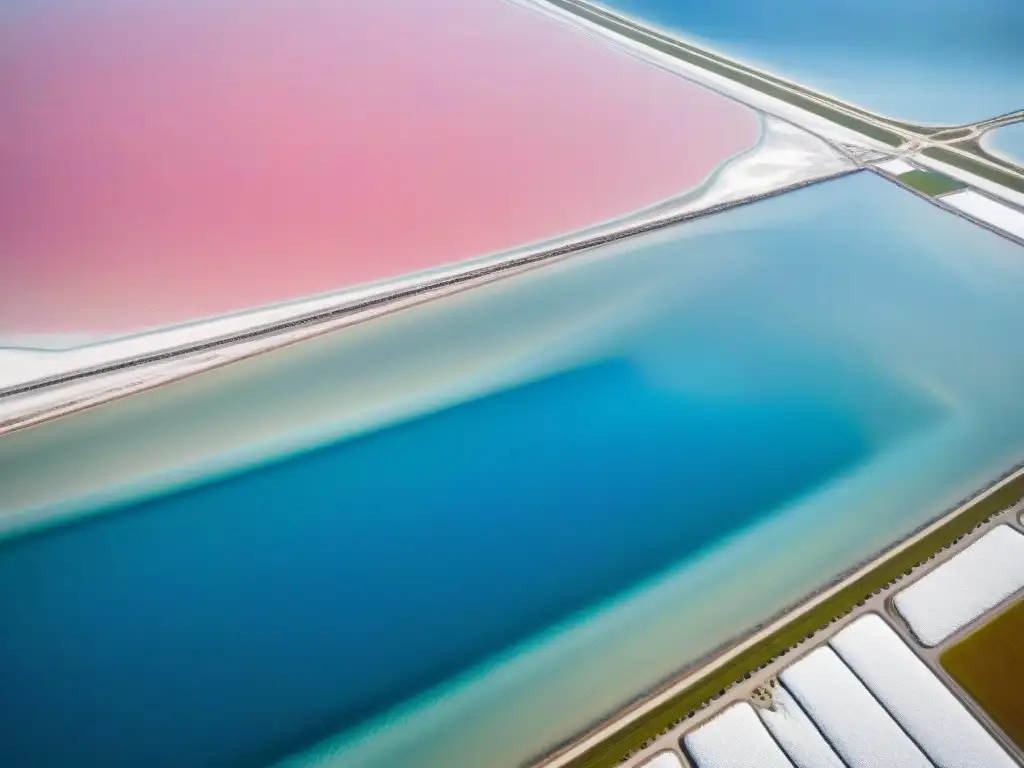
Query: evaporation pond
(327, 530)
(168, 161)
(946, 62)
(1007, 141)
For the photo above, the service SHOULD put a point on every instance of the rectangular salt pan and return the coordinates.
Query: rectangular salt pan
(915, 697)
(734, 739)
(896, 167)
(962, 589)
(850, 718)
(796, 734)
(988, 210)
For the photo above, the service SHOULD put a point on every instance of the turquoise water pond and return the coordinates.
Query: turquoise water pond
(946, 62)
(435, 490)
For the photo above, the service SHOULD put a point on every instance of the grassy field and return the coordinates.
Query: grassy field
(930, 182)
(989, 665)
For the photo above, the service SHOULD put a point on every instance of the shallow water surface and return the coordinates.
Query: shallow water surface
(945, 62)
(460, 532)
(240, 153)
(1007, 141)
(303, 583)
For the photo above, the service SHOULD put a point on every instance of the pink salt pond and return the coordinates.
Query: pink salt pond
(162, 162)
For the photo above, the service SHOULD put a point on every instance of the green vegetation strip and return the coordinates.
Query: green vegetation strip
(1007, 178)
(719, 65)
(930, 182)
(1004, 164)
(802, 628)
